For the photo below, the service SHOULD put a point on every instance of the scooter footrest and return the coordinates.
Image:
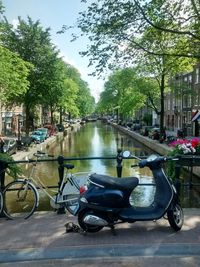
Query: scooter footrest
(141, 214)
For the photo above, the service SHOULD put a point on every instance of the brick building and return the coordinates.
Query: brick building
(182, 103)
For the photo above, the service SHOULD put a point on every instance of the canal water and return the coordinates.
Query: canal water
(97, 139)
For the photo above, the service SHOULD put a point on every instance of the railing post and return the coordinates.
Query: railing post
(3, 166)
(119, 163)
(61, 209)
(2, 174)
(177, 178)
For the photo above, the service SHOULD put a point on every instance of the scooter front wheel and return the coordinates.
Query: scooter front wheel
(87, 227)
(176, 217)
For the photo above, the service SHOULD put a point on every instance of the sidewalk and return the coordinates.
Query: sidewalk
(41, 241)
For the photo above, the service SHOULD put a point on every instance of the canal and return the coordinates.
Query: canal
(96, 139)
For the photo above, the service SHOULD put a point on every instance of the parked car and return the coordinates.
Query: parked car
(44, 131)
(10, 146)
(38, 137)
(51, 129)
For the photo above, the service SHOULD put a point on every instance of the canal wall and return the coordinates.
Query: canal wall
(154, 145)
(26, 155)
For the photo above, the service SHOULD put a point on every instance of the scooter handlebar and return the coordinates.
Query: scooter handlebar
(155, 162)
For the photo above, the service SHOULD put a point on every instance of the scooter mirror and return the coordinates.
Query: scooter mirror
(126, 154)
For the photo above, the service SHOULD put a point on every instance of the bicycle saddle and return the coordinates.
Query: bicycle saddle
(68, 166)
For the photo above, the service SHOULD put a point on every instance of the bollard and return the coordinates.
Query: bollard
(61, 209)
(119, 163)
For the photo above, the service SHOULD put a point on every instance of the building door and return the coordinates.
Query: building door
(196, 128)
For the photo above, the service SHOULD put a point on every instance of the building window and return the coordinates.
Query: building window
(189, 117)
(168, 105)
(197, 76)
(185, 101)
(189, 101)
(196, 98)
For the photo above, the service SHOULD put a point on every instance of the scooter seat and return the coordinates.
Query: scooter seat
(124, 183)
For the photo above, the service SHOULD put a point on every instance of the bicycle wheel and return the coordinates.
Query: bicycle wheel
(20, 200)
(1, 202)
(71, 203)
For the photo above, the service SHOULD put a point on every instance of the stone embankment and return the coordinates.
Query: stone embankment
(26, 155)
(154, 145)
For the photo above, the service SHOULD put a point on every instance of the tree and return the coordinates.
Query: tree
(130, 31)
(13, 76)
(33, 45)
(84, 101)
(111, 25)
(159, 66)
(13, 71)
(122, 93)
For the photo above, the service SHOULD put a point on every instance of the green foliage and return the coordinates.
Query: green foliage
(115, 29)
(127, 90)
(13, 170)
(13, 76)
(33, 45)
(1, 8)
(147, 119)
(85, 103)
(152, 35)
(52, 83)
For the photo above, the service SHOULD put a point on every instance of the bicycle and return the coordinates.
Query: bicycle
(1, 201)
(21, 197)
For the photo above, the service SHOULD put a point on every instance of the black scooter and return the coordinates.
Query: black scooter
(106, 200)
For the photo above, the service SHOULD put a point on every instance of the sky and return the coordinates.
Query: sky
(54, 14)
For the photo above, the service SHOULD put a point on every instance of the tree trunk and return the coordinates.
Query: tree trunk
(61, 113)
(52, 121)
(162, 88)
(27, 122)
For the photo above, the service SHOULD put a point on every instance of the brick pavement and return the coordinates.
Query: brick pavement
(43, 237)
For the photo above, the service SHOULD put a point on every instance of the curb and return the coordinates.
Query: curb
(167, 250)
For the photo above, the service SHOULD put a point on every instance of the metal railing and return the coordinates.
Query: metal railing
(189, 161)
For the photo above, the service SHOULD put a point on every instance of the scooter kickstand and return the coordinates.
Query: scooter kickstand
(112, 228)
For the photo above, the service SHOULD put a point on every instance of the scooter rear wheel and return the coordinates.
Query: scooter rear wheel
(176, 217)
(88, 227)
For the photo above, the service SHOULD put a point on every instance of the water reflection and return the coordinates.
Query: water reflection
(98, 140)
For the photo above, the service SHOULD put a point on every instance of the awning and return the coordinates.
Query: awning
(196, 116)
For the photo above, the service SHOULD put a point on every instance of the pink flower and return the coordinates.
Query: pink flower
(179, 142)
(195, 142)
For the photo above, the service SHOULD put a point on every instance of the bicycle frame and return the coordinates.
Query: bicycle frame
(1, 201)
(70, 186)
